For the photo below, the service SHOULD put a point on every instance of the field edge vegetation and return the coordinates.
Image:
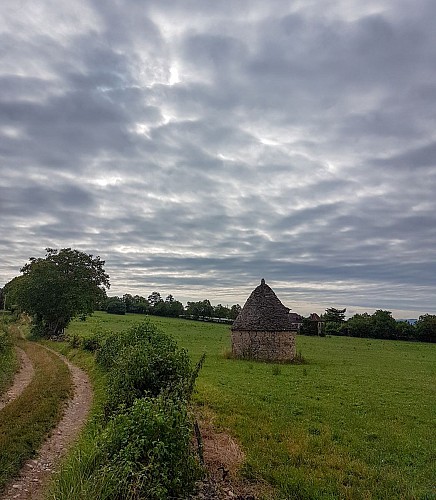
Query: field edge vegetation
(138, 441)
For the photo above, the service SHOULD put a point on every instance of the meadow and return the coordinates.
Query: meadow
(356, 421)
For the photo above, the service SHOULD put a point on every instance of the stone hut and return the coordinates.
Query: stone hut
(263, 329)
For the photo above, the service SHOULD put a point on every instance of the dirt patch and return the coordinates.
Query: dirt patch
(36, 473)
(223, 458)
(21, 380)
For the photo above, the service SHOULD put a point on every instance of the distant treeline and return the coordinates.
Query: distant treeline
(170, 307)
(379, 325)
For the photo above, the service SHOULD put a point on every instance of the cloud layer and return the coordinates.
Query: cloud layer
(198, 146)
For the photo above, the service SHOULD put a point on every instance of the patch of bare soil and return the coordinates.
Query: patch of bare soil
(36, 473)
(21, 380)
(223, 458)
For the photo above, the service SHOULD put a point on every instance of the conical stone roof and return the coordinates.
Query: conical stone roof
(263, 311)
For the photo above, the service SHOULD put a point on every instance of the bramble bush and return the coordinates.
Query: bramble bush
(147, 450)
(142, 446)
(142, 361)
(91, 341)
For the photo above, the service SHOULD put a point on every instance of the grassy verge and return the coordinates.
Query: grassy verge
(8, 358)
(26, 421)
(357, 421)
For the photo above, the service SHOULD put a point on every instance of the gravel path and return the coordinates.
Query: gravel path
(36, 473)
(21, 380)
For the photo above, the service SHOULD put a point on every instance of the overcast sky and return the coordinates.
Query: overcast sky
(200, 145)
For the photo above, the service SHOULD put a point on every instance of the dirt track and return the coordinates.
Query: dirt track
(36, 473)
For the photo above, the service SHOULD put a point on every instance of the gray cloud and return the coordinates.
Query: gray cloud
(199, 146)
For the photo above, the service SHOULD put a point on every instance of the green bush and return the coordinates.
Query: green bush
(91, 342)
(142, 448)
(75, 340)
(142, 362)
(148, 450)
(138, 334)
(88, 342)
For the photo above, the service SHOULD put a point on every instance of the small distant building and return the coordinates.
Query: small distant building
(296, 321)
(318, 323)
(263, 329)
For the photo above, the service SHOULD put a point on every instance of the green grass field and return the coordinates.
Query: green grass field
(356, 421)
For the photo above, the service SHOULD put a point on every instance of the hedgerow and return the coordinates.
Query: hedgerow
(142, 447)
(147, 449)
(142, 362)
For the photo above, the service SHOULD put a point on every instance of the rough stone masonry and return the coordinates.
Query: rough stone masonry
(263, 330)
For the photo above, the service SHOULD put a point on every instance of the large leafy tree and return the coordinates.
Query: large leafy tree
(426, 328)
(200, 308)
(154, 299)
(383, 324)
(360, 326)
(64, 284)
(221, 311)
(234, 311)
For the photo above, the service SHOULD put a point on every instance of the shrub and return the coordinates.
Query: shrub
(143, 447)
(148, 450)
(139, 334)
(91, 342)
(142, 362)
(37, 330)
(74, 340)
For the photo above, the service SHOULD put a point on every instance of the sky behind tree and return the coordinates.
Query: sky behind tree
(199, 146)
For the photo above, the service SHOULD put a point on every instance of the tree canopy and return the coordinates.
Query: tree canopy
(334, 315)
(426, 328)
(54, 289)
(202, 308)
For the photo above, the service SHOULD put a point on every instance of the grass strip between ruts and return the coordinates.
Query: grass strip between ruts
(9, 363)
(25, 422)
(8, 367)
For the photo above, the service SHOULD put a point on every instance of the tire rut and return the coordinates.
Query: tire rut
(21, 380)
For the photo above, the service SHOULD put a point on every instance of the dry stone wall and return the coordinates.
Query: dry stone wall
(265, 346)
